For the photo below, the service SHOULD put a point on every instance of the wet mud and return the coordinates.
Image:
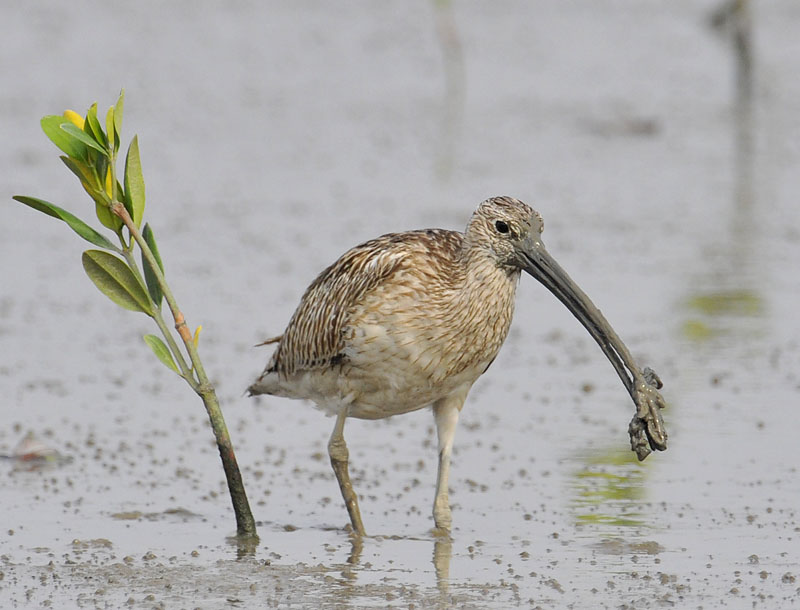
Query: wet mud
(274, 136)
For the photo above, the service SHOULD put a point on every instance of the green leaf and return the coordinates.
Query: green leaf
(162, 352)
(51, 125)
(134, 183)
(92, 126)
(88, 178)
(81, 170)
(79, 134)
(76, 224)
(115, 280)
(153, 286)
(113, 135)
(104, 214)
(118, 107)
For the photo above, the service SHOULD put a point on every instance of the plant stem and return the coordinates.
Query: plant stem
(245, 524)
(185, 370)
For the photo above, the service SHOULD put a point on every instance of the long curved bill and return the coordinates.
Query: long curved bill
(647, 427)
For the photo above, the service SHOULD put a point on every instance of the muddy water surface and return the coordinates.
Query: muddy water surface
(274, 136)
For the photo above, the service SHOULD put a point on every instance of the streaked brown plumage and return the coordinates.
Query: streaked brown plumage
(409, 320)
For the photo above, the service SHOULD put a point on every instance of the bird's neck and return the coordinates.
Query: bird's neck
(482, 270)
(488, 289)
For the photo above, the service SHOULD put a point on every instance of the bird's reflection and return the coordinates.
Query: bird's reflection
(356, 548)
(442, 554)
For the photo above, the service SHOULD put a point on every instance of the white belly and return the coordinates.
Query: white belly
(386, 387)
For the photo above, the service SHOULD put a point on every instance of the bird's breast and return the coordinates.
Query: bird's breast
(413, 342)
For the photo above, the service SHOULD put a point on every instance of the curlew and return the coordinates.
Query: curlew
(412, 319)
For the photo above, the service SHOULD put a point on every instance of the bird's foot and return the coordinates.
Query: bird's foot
(646, 429)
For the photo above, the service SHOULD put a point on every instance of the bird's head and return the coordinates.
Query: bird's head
(507, 228)
(512, 232)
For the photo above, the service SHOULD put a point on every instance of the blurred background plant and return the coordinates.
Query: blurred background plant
(91, 153)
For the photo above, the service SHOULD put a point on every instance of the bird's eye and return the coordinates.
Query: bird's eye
(501, 226)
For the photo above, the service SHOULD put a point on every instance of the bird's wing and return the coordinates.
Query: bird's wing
(314, 337)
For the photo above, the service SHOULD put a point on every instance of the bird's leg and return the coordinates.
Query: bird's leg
(337, 450)
(446, 411)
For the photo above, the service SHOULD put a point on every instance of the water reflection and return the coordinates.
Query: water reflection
(744, 124)
(377, 567)
(725, 296)
(733, 21)
(607, 488)
(246, 546)
(32, 454)
(345, 590)
(356, 548)
(442, 554)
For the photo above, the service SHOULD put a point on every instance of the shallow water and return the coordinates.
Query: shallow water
(276, 135)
